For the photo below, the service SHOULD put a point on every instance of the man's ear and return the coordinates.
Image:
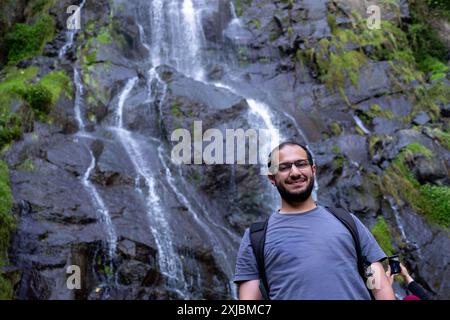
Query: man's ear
(271, 178)
(314, 169)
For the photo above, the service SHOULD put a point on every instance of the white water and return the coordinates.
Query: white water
(154, 81)
(168, 259)
(78, 98)
(96, 199)
(70, 35)
(235, 19)
(100, 208)
(399, 223)
(219, 251)
(361, 124)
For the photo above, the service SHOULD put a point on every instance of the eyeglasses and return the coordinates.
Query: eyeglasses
(299, 164)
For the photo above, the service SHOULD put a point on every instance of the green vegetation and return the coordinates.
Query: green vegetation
(339, 158)
(16, 87)
(24, 41)
(443, 137)
(383, 236)
(27, 165)
(335, 128)
(14, 82)
(104, 36)
(373, 112)
(7, 225)
(57, 82)
(256, 23)
(175, 109)
(238, 8)
(429, 50)
(430, 200)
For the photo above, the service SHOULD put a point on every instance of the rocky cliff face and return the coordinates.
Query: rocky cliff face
(93, 184)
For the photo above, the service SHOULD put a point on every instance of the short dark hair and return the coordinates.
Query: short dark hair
(291, 143)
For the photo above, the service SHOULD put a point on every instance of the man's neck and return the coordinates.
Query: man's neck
(297, 207)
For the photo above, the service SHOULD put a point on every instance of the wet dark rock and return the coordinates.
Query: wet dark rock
(445, 110)
(132, 272)
(373, 81)
(428, 170)
(382, 125)
(421, 118)
(404, 138)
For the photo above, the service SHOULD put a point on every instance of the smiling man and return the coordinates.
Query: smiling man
(307, 252)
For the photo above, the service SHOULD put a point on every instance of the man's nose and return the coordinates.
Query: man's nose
(295, 172)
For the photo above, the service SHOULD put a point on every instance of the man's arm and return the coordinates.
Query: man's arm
(381, 286)
(249, 290)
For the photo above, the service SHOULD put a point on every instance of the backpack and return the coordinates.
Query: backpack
(258, 238)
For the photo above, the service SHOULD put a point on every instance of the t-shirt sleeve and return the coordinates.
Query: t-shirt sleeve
(369, 246)
(246, 266)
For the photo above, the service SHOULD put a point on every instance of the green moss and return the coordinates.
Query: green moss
(57, 82)
(27, 165)
(24, 41)
(7, 225)
(376, 111)
(435, 67)
(337, 64)
(256, 23)
(443, 137)
(429, 50)
(331, 20)
(431, 201)
(40, 6)
(374, 142)
(238, 7)
(383, 236)
(438, 203)
(13, 84)
(339, 158)
(41, 96)
(335, 128)
(104, 36)
(175, 109)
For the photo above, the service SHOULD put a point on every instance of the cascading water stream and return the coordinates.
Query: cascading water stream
(169, 262)
(70, 34)
(360, 124)
(97, 201)
(400, 226)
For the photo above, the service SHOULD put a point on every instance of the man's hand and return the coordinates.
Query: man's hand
(380, 283)
(249, 290)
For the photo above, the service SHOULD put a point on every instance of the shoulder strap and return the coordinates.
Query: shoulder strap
(347, 220)
(258, 238)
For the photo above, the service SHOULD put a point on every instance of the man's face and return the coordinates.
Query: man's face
(295, 177)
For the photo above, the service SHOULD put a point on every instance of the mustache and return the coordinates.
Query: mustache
(300, 178)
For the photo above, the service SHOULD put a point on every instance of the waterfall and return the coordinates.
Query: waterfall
(78, 99)
(400, 226)
(213, 237)
(235, 19)
(70, 35)
(361, 124)
(100, 208)
(168, 259)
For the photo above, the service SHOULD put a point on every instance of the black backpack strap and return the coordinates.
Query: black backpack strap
(347, 220)
(258, 238)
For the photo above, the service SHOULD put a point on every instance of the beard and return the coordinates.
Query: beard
(295, 197)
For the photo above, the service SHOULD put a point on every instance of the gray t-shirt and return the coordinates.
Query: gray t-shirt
(309, 255)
